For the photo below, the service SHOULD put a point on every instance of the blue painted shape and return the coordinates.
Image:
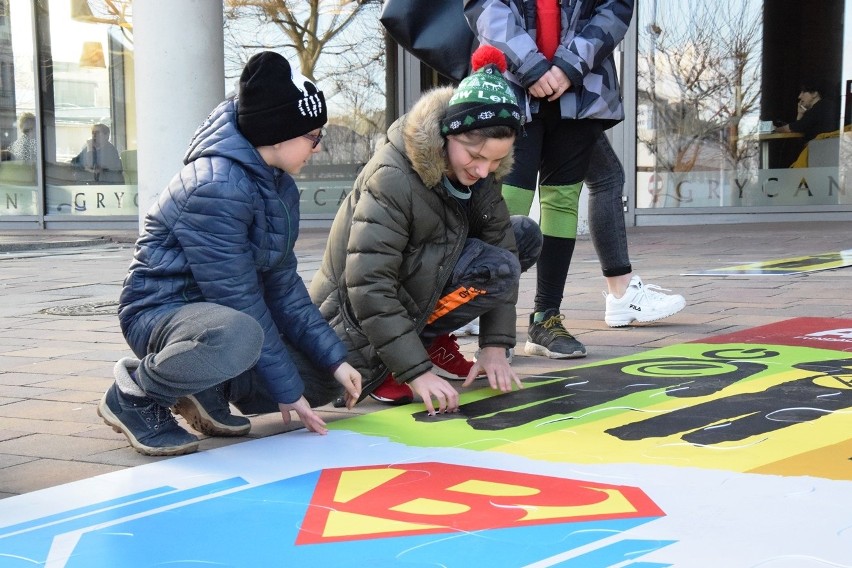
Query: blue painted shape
(30, 546)
(83, 510)
(647, 565)
(258, 526)
(616, 553)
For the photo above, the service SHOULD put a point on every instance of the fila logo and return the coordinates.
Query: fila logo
(383, 501)
(635, 307)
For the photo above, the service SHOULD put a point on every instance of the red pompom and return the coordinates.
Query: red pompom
(486, 54)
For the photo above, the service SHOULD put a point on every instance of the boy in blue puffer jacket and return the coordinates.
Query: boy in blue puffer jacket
(212, 305)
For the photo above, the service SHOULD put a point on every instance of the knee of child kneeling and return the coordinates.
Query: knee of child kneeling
(509, 268)
(245, 331)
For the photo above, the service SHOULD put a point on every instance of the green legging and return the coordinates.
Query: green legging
(559, 204)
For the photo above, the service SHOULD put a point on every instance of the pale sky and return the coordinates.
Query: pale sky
(67, 35)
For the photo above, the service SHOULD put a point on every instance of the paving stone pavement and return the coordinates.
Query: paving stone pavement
(59, 335)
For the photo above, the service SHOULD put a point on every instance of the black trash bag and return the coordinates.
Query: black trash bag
(434, 31)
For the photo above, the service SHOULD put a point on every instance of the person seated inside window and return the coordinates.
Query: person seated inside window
(100, 157)
(24, 147)
(815, 114)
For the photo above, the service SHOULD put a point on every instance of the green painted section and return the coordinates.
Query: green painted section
(643, 379)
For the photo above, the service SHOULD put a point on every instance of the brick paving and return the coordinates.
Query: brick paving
(59, 336)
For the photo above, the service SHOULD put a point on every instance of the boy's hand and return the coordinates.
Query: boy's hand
(430, 386)
(347, 376)
(500, 374)
(309, 418)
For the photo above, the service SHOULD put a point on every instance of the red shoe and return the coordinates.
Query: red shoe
(447, 359)
(391, 392)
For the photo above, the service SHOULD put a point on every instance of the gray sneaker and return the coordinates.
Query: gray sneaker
(547, 336)
(210, 413)
(150, 428)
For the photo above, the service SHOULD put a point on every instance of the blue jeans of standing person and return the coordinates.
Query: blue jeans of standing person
(605, 182)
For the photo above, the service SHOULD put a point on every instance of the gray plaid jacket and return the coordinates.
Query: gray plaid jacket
(590, 31)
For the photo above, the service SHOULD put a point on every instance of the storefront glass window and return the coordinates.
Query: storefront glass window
(339, 44)
(86, 68)
(718, 80)
(19, 135)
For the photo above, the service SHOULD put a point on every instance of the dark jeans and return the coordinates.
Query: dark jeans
(249, 394)
(195, 347)
(485, 276)
(605, 180)
(201, 345)
(565, 152)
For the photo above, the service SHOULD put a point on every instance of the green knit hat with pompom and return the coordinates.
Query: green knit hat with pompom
(483, 98)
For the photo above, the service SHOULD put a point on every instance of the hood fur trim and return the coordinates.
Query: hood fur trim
(424, 145)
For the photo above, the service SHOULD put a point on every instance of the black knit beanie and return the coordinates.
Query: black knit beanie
(272, 108)
(483, 98)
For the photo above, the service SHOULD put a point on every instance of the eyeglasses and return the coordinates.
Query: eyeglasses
(315, 138)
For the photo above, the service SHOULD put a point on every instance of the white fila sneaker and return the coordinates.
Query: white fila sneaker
(641, 303)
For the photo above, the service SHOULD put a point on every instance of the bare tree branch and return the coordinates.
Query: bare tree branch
(311, 26)
(337, 44)
(700, 73)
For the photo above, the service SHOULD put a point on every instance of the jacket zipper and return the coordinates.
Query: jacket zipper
(444, 276)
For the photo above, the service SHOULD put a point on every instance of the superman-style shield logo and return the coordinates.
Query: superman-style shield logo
(383, 501)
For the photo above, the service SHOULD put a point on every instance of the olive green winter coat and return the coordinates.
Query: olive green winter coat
(393, 246)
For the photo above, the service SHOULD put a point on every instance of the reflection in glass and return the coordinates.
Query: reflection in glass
(344, 55)
(716, 81)
(18, 132)
(699, 82)
(89, 108)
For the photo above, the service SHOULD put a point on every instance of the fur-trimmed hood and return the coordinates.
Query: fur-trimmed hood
(395, 243)
(419, 134)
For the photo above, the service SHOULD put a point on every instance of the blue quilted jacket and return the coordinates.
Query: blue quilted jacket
(223, 232)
